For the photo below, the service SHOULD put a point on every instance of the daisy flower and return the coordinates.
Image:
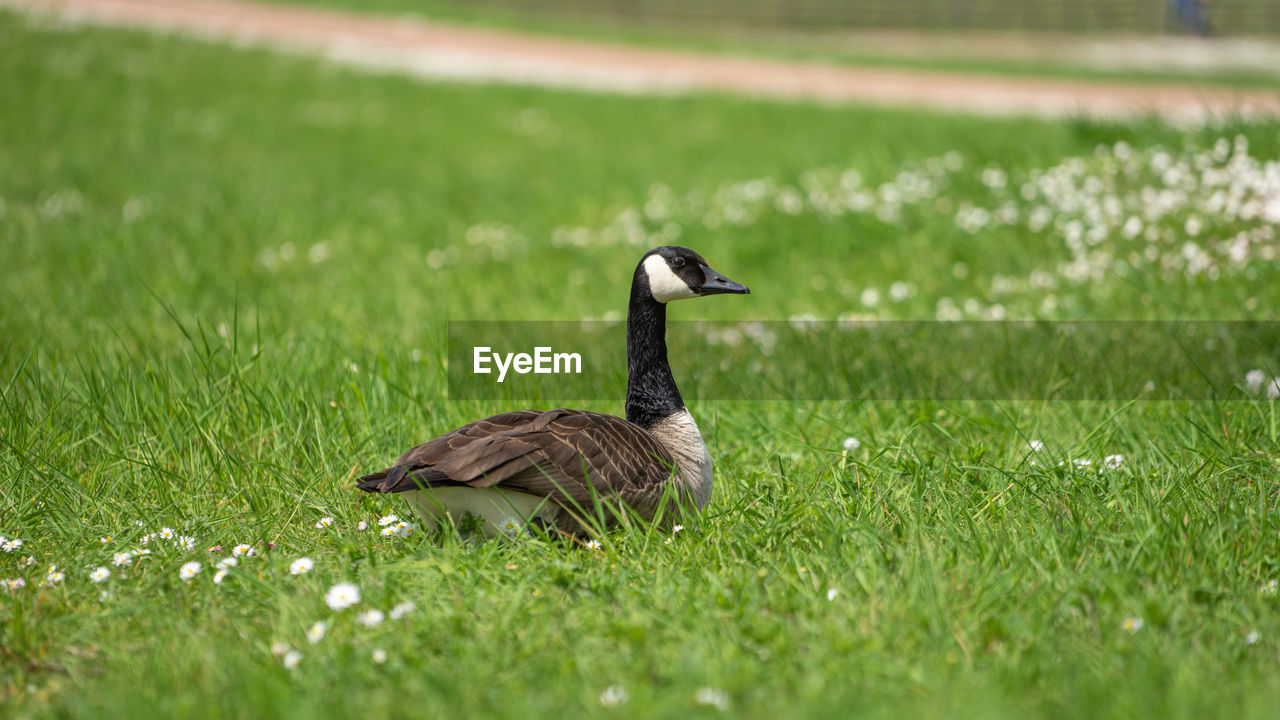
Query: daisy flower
(362, 525)
(29, 561)
(379, 655)
(1254, 379)
(613, 696)
(342, 596)
(291, 659)
(593, 545)
(100, 574)
(190, 570)
(219, 576)
(122, 558)
(831, 594)
(370, 618)
(186, 542)
(386, 520)
(324, 522)
(1252, 638)
(242, 549)
(315, 633)
(677, 528)
(141, 551)
(851, 443)
(104, 539)
(510, 527)
(1036, 445)
(402, 609)
(301, 566)
(1113, 462)
(12, 544)
(1269, 587)
(229, 561)
(713, 697)
(1132, 624)
(166, 533)
(54, 576)
(14, 583)
(279, 649)
(146, 539)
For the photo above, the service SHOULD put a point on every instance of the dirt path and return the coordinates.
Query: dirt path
(464, 53)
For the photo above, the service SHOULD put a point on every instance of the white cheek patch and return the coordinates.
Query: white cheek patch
(665, 285)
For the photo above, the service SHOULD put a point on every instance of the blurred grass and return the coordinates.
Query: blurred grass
(860, 47)
(173, 355)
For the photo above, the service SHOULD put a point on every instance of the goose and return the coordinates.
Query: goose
(557, 468)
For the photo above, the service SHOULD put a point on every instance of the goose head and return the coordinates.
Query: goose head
(675, 273)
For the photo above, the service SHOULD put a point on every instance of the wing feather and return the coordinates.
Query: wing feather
(569, 456)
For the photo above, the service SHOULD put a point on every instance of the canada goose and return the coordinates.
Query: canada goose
(551, 467)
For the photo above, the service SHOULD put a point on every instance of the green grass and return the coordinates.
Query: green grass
(858, 47)
(172, 355)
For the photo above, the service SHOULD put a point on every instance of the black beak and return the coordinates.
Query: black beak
(717, 284)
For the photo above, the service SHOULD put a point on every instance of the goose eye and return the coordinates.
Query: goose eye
(677, 262)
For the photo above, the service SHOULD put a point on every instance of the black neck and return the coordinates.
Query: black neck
(652, 394)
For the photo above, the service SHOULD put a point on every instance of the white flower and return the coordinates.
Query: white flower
(342, 596)
(1269, 587)
(29, 561)
(1113, 461)
(362, 525)
(146, 539)
(386, 520)
(279, 649)
(379, 655)
(139, 523)
(324, 522)
(404, 529)
(99, 575)
(243, 549)
(14, 583)
(614, 695)
(291, 659)
(718, 699)
(593, 545)
(1132, 624)
(105, 539)
(301, 566)
(189, 570)
(54, 576)
(676, 528)
(1253, 380)
(370, 618)
(11, 545)
(851, 443)
(1036, 445)
(119, 559)
(1252, 638)
(402, 609)
(219, 576)
(510, 527)
(831, 594)
(166, 533)
(1273, 392)
(228, 562)
(315, 633)
(140, 552)
(186, 542)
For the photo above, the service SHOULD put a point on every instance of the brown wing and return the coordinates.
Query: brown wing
(567, 455)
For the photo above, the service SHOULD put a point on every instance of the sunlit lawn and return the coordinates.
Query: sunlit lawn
(226, 281)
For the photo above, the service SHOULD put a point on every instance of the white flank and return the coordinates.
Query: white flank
(496, 507)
